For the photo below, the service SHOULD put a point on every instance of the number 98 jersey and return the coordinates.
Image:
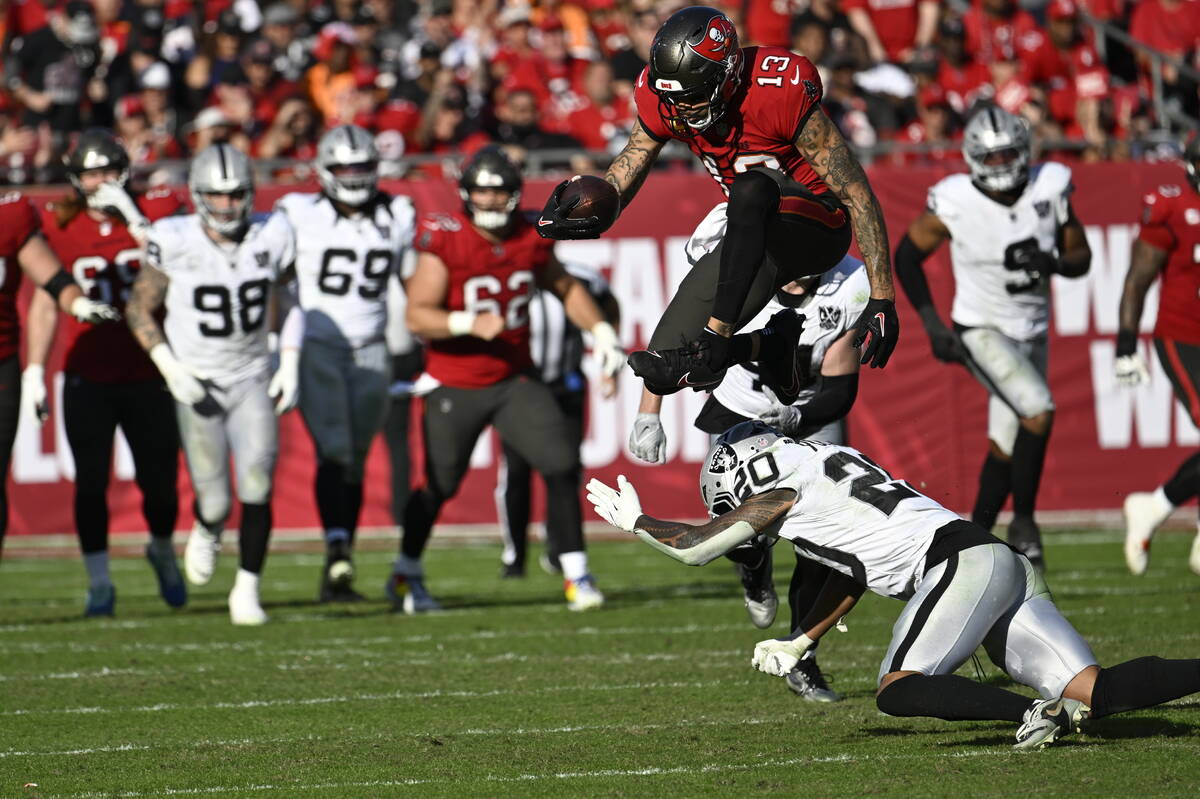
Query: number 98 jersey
(343, 264)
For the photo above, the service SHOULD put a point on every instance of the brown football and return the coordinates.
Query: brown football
(597, 197)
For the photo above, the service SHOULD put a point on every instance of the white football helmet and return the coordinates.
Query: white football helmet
(348, 165)
(997, 148)
(733, 448)
(222, 169)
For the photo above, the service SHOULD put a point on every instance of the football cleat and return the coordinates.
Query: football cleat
(244, 607)
(780, 364)
(409, 594)
(758, 587)
(1143, 514)
(338, 578)
(667, 371)
(512, 571)
(550, 564)
(200, 555)
(101, 601)
(582, 594)
(807, 682)
(170, 582)
(1025, 537)
(1047, 720)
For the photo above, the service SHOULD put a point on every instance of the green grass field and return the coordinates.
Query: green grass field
(509, 694)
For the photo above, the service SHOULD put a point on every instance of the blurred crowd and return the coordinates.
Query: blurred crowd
(448, 76)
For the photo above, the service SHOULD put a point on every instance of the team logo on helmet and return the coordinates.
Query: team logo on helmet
(719, 39)
(724, 459)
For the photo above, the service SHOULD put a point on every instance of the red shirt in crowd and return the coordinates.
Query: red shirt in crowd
(548, 79)
(1067, 76)
(18, 223)
(1171, 222)
(988, 37)
(595, 126)
(962, 84)
(1173, 30)
(769, 22)
(895, 22)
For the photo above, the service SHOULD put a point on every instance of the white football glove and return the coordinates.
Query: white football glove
(647, 439)
(784, 418)
(33, 393)
(618, 508)
(1130, 370)
(182, 384)
(284, 387)
(778, 656)
(606, 349)
(113, 195)
(86, 310)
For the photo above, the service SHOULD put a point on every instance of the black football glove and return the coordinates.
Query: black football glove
(878, 331)
(554, 224)
(947, 346)
(1025, 255)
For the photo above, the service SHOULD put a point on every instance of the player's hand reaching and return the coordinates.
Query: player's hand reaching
(947, 346)
(878, 331)
(487, 325)
(86, 310)
(647, 439)
(620, 508)
(284, 387)
(778, 656)
(554, 223)
(784, 418)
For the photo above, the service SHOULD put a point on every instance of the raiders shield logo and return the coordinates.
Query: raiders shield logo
(724, 459)
(1043, 208)
(830, 317)
(262, 259)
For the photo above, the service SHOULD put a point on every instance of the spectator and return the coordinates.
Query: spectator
(280, 28)
(810, 38)
(846, 105)
(366, 28)
(217, 59)
(212, 126)
(333, 74)
(893, 29)
(843, 41)
(769, 22)
(18, 148)
(628, 64)
(266, 88)
(1173, 28)
(519, 124)
(294, 133)
(991, 26)
(608, 27)
(443, 124)
(960, 74)
(603, 117)
(515, 47)
(572, 20)
(937, 129)
(1069, 71)
(553, 73)
(154, 96)
(1009, 90)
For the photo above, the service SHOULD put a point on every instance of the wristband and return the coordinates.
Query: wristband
(55, 285)
(460, 323)
(1126, 342)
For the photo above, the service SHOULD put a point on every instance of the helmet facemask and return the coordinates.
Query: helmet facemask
(347, 165)
(996, 147)
(695, 111)
(491, 169)
(221, 170)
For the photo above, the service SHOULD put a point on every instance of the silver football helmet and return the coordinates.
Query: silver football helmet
(734, 447)
(222, 169)
(348, 165)
(996, 146)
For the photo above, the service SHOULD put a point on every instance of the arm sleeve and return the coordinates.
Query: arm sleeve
(911, 275)
(708, 550)
(833, 401)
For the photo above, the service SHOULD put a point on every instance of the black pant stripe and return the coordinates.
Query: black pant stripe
(982, 376)
(923, 613)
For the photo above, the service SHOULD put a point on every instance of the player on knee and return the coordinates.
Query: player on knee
(962, 586)
(1011, 226)
(1168, 243)
(350, 240)
(753, 116)
(469, 299)
(214, 272)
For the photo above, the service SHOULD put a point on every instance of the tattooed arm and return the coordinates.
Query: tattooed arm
(628, 170)
(827, 152)
(146, 298)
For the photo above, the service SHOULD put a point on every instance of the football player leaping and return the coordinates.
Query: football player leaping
(1011, 227)
(962, 586)
(1168, 243)
(350, 238)
(469, 299)
(215, 272)
(753, 116)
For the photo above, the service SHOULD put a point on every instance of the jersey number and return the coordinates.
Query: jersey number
(105, 281)
(217, 301)
(758, 473)
(873, 485)
(376, 268)
(780, 63)
(480, 296)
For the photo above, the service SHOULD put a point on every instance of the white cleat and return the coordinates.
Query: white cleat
(1047, 720)
(1194, 558)
(582, 594)
(200, 555)
(1143, 514)
(244, 607)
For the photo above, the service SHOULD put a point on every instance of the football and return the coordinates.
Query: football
(597, 197)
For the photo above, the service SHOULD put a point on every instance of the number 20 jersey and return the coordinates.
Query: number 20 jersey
(849, 513)
(343, 264)
(218, 298)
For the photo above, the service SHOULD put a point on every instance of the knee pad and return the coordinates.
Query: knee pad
(212, 507)
(254, 484)
(753, 196)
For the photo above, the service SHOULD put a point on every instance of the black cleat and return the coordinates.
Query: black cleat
(1025, 537)
(338, 592)
(512, 571)
(668, 371)
(780, 365)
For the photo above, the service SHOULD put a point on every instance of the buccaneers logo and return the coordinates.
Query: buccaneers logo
(719, 40)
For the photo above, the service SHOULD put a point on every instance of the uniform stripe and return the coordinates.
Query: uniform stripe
(800, 206)
(224, 165)
(1183, 378)
(974, 367)
(924, 612)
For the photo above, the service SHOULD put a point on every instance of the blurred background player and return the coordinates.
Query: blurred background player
(1168, 243)
(214, 271)
(1011, 227)
(556, 347)
(350, 240)
(97, 233)
(408, 359)
(22, 245)
(469, 299)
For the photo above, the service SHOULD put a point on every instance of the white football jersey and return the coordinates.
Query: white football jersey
(343, 264)
(831, 308)
(218, 298)
(980, 230)
(849, 513)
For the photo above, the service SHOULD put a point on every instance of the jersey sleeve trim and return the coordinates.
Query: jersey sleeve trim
(804, 121)
(646, 129)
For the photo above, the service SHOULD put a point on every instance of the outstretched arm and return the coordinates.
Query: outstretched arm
(628, 170)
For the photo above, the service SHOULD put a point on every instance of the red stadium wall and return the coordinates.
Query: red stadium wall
(922, 419)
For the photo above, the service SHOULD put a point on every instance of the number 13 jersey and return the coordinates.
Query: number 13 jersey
(343, 263)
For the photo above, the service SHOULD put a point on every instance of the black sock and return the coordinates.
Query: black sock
(1028, 457)
(1185, 483)
(253, 535)
(750, 555)
(1143, 682)
(330, 490)
(419, 516)
(352, 499)
(995, 481)
(950, 697)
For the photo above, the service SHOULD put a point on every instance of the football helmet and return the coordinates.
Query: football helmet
(347, 165)
(996, 146)
(694, 61)
(1191, 160)
(96, 148)
(733, 448)
(222, 169)
(490, 168)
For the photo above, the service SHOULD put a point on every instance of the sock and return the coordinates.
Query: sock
(950, 697)
(1162, 501)
(419, 516)
(1143, 682)
(574, 565)
(330, 493)
(352, 499)
(1028, 458)
(96, 564)
(246, 581)
(162, 546)
(1185, 483)
(338, 535)
(253, 535)
(410, 567)
(995, 481)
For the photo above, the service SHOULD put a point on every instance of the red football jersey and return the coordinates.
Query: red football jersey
(777, 90)
(104, 259)
(18, 222)
(484, 276)
(1171, 222)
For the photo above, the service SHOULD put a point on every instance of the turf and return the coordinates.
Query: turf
(509, 694)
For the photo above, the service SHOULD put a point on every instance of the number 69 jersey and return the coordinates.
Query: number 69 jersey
(343, 263)
(849, 513)
(218, 296)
